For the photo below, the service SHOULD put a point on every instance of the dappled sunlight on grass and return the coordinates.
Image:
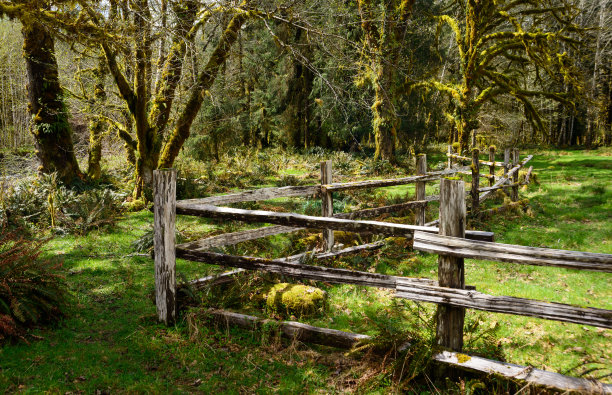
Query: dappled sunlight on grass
(110, 340)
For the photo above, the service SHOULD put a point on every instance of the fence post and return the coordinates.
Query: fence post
(492, 166)
(475, 180)
(515, 176)
(506, 164)
(327, 204)
(421, 168)
(450, 269)
(164, 198)
(449, 162)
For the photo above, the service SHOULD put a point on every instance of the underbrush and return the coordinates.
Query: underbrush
(245, 168)
(32, 290)
(44, 202)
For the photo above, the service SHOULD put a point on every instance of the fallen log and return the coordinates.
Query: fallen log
(504, 208)
(375, 212)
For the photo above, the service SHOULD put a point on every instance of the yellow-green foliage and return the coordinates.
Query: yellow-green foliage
(285, 299)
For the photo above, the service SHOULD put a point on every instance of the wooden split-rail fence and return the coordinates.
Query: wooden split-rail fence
(451, 241)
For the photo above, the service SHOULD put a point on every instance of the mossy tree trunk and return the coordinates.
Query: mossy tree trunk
(384, 119)
(97, 125)
(384, 26)
(50, 127)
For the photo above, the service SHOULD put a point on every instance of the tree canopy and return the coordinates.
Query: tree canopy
(163, 76)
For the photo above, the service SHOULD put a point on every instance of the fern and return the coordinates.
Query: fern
(31, 289)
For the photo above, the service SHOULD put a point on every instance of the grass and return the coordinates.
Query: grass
(110, 341)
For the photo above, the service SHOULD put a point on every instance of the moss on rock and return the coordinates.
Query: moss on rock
(285, 299)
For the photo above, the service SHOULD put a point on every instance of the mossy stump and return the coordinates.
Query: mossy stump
(299, 300)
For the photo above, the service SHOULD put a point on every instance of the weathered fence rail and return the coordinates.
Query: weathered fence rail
(335, 338)
(463, 248)
(308, 221)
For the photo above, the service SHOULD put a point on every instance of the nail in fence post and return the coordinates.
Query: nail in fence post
(475, 180)
(506, 165)
(515, 176)
(164, 198)
(327, 204)
(450, 269)
(421, 168)
(492, 166)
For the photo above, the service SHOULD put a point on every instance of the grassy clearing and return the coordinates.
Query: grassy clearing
(109, 340)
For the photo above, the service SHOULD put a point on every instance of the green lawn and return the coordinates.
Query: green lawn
(109, 340)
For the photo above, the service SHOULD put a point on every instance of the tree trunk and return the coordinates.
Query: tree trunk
(50, 127)
(384, 119)
(464, 131)
(96, 125)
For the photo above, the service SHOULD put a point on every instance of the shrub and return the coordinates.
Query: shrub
(46, 202)
(31, 289)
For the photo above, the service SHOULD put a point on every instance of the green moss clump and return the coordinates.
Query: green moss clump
(285, 299)
(135, 205)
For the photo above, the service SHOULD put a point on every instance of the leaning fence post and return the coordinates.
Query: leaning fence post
(421, 168)
(515, 176)
(506, 164)
(450, 269)
(475, 180)
(492, 166)
(327, 203)
(164, 198)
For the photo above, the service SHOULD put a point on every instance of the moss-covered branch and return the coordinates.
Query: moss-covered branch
(204, 82)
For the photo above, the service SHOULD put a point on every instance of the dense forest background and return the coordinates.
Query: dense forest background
(150, 79)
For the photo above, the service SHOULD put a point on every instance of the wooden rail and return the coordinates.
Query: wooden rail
(348, 340)
(258, 194)
(307, 221)
(430, 176)
(482, 162)
(506, 177)
(504, 304)
(237, 237)
(417, 289)
(463, 248)
(253, 234)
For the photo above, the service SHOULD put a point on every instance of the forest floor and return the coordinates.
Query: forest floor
(110, 342)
